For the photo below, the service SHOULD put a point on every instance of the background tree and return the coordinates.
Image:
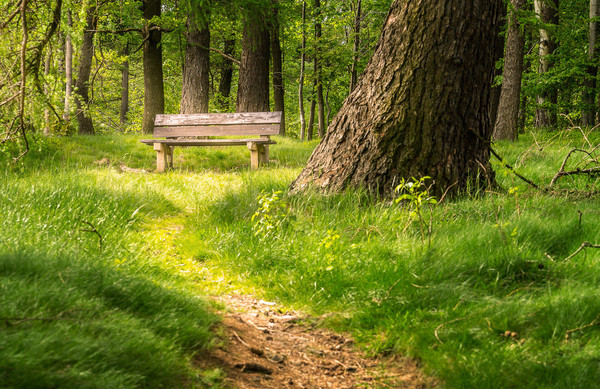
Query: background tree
(277, 60)
(154, 91)
(506, 125)
(356, 7)
(547, 11)
(302, 67)
(415, 115)
(196, 68)
(84, 120)
(253, 83)
(588, 116)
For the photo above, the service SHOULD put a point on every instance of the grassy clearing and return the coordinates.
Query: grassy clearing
(479, 289)
(486, 292)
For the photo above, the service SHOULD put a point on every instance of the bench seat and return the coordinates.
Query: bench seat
(183, 130)
(208, 142)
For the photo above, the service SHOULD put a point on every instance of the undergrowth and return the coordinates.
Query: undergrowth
(102, 270)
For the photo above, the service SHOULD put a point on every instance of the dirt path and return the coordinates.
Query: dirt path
(266, 347)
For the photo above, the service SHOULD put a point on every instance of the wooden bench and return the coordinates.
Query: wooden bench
(184, 130)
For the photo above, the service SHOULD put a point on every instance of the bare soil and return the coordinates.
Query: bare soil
(266, 347)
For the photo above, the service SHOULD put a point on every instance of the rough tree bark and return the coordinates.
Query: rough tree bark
(507, 118)
(154, 90)
(588, 116)
(195, 78)
(547, 12)
(253, 83)
(86, 56)
(421, 106)
(277, 58)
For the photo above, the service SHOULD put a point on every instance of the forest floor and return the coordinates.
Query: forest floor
(265, 346)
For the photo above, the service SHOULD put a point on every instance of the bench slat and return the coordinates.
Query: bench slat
(207, 142)
(218, 130)
(218, 119)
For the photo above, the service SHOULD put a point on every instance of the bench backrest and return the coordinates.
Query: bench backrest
(217, 124)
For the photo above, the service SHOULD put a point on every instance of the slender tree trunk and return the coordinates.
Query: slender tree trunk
(253, 83)
(588, 116)
(355, 51)
(547, 11)
(421, 106)
(47, 63)
(124, 85)
(68, 70)
(86, 56)
(311, 114)
(318, 75)
(496, 89)
(301, 81)
(154, 90)
(506, 126)
(277, 58)
(226, 75)
(196, 81)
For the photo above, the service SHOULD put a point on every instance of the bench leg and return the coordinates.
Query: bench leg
(170, 156)
(164, 157)
(258, 154)
(265, 154)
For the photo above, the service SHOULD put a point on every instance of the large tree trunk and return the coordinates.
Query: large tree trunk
(253, 83)
(301, 81)
(547, 11)
(506, 126)
(124, 86)
(421, 106)
(154, 90)
(277, 58)
(195, 83)
(86, 56)
(588, 116)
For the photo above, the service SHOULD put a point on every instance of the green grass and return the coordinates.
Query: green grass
(129, 312)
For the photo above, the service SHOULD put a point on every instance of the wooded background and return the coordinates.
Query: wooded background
(71, 66)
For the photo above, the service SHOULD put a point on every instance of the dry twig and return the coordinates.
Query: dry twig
(583, 245)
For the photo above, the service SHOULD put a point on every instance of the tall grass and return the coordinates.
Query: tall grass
(101, 270)
(492, 293)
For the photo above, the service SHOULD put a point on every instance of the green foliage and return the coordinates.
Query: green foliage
(271, 215)
(416, 194)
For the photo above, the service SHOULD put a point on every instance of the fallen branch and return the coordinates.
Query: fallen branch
(583, 246)
(561, 172)
(505, 164)
(593, 323)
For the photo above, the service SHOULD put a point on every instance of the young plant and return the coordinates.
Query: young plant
(416, 194)
(271, 214)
